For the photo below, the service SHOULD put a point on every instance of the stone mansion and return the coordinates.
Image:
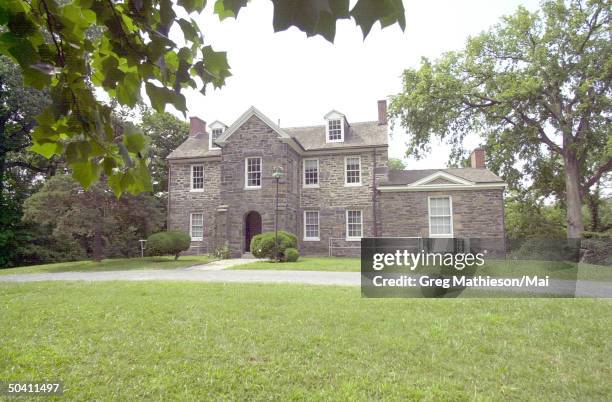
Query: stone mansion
(336, 187)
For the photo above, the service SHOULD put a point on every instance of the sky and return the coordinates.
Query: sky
(297, 80)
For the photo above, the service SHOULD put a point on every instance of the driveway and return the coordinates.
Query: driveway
(214, 272)
(198, 274)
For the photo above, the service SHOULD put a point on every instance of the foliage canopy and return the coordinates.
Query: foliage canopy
(536, 87)
(77, 47)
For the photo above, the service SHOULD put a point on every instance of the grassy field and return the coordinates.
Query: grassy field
(166, 262)
(509, 268)
(337, 264)
(169, 341)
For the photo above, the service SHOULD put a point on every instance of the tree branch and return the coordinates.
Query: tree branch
(606, 167)
(545, 139)
(60, 51)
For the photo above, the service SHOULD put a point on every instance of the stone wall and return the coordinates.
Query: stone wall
(332, 199)
(476, 213)
(257, 139)
(183, 201)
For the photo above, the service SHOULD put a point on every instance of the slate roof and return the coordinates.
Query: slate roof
(194, 147)
(362, 134)
(404, 177)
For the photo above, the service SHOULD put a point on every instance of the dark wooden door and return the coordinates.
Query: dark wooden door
(252, 227)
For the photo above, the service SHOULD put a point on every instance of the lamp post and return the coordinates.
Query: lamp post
(277, 174)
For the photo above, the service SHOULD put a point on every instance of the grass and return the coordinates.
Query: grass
(338, 264)
(186, 341)
(509, 268)
(118, 264)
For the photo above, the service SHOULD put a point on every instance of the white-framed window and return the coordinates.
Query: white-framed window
(352, 171)
(440, 216)
(252, 172)
(311, 225)
(197, 177)
(215, 133)
(354, 225)
(311, 173)
(335, 130)
(196, 226)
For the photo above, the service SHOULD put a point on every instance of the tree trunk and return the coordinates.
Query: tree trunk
(575, 226)
(98, 252)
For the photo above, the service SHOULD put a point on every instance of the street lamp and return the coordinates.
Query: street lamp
(277, 174)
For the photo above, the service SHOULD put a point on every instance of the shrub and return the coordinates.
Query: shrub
(546, 250)
(170, 242)
(262, 245)
(597, 250)
(223, 251)
(291, 254)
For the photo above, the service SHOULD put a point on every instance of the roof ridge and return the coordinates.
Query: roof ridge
(323, 125)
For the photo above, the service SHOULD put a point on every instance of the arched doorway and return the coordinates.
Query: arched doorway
(252, 227)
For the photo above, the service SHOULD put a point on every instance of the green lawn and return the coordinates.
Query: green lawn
(308, 264)
(187, 341)
(513, 268)
(119, 264)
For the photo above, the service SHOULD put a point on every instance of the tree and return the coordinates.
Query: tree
(528, 217)
(100, 223)
(166, 133)
(20, 171)
(19, 106)
(396, 164)
(75, 48)
(536, 87)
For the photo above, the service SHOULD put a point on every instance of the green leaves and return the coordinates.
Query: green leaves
(77, 47)
(161, 96)
(388, 12)
(228, 8)
(535, 87)
(319, 17)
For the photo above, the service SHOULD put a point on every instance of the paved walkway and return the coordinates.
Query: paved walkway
(222, 264)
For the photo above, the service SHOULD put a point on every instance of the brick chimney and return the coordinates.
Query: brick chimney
(382, 112)
(477, 158)
(196, 126)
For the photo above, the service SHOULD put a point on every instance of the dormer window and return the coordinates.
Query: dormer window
(335, 124)
(216, 130)
(334, 130)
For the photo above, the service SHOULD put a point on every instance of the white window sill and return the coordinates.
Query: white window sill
(352, 184)
(196, 190)
(253, 188)
(310, 186)
(312, 239)
(353, 239)
(442, 236)
(197, 238)
(333, 141)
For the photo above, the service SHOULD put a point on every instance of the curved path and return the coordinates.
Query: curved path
(215, 272)
(201, 274)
